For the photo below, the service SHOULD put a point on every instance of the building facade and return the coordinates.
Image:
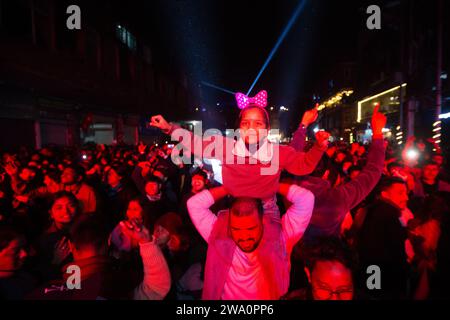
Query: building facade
(65, 87)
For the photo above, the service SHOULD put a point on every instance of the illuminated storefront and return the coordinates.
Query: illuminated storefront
(390, 102)
(337, 115)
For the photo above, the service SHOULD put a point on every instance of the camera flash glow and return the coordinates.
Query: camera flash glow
(412, 154)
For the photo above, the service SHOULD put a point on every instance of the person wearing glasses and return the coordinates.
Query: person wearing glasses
(329, 266)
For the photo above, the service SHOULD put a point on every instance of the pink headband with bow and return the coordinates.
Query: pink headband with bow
(260, 100)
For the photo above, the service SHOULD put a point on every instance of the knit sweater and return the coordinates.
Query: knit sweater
(245, 173)
(333, 203)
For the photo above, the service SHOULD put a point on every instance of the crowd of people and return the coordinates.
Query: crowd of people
(141, 226)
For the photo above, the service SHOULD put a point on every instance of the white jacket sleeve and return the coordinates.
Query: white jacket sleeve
(202, 217)
(297, 218)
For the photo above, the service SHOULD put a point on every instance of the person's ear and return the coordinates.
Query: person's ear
(308, 274)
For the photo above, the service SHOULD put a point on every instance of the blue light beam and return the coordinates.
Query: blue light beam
(218, 88)
(279, 42)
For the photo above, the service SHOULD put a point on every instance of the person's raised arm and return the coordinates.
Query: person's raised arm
(304, 163)
(157, 280)
(138, 178)
(356, 190)
(297, 217)
(218, 193)
(17, 185)
(199, 210)
(298, 140)
(191, 143)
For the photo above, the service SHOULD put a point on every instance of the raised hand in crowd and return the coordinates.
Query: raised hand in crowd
(378, 122)
(160, 123)
(310, 117)
(142, 147)
(136, 232)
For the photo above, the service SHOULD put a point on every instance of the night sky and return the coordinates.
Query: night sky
(226, 42)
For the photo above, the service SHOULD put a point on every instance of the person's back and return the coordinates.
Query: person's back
(381, 242)
(382, 235)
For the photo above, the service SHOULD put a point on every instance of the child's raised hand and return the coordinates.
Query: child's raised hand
(160, 123)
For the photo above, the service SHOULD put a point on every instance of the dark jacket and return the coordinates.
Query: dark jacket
(117, 201)
(381, 242)
(45, 247)
(419, 191)
(333, 203)
(155, 209)
(17, 286)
